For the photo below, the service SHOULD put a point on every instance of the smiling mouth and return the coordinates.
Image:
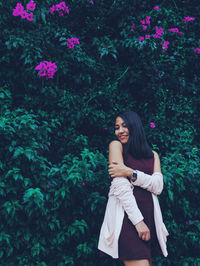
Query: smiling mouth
(123, 137)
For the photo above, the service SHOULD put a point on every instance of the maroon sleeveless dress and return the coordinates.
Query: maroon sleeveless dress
(131, 247)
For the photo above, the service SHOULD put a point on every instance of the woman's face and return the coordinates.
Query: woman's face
(121, 131)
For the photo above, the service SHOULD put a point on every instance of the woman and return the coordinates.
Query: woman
(133, 230)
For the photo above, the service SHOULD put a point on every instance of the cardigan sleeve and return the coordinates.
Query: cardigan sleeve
(121, 188)
(152, 183)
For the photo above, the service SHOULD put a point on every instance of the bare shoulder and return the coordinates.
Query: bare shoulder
(115, 151)
(115, 144)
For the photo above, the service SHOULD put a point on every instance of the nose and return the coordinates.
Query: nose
(121, 130)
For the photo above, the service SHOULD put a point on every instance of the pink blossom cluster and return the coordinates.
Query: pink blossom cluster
(159, 32)
(186, 19)
(141, 38)
(156, 8)
(145, 21)
(165, 46)
(197, 50)
(176, 30)
(47, 69)
(19, 10)
(152, 125)
(71, 42)
(133, 27)
(61, 8)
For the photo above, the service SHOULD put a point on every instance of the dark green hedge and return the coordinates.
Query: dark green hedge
(55, 132)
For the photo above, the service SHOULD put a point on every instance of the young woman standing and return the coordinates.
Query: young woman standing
(133, 230)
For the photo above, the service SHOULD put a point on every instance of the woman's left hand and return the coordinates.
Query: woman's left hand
(118, 170)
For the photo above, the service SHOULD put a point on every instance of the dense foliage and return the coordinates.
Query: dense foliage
(65, 73)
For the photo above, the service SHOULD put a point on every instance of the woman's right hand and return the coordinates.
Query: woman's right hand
(143, 231)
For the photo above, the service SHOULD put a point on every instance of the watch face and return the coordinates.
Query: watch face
(134, 175)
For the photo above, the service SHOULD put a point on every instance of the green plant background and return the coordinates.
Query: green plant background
(55, 133)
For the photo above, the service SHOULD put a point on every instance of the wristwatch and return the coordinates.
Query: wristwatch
(134, 176)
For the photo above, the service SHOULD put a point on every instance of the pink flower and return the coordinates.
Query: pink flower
(165, 46)
(31, 5)
(180, 33)
(159, 32)
(133, 26)
(91, 1)
(188, 222)
(156, 7)
(71, 42)
(52, 9)
(23, 14)
(186, 19)
(18, 9)
(174, 30)
(47, 69)
(141, 39)
(29, 17)
(148, 20)
(152, 125)
(60, 8)
(147, 36)
(143, 21)
(144, 27)
(197, 50)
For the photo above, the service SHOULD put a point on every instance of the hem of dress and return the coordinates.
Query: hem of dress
(138, 258)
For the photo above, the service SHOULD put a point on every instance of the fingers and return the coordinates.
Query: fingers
(145, 235)
(143, 231)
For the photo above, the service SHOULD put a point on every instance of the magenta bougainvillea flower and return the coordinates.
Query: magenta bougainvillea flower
(174, 30)
(31, 5)
(141, 38)
(29, 16)
(165, 46)
(197, 50)
(148, 20)
(71, 42)
(61, 8)
(152, 125)
(159, 32)
(47, 69)
(144, 27)
(156, 7)
(147, 36)
(186, 19)
(133, 26)
(19, 11)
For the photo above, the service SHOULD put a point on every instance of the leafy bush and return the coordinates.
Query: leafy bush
(55, 132)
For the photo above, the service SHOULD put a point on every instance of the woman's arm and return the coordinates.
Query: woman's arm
(153, 183)
(122, 190)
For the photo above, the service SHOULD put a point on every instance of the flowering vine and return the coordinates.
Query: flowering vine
(47, 69)
(19, 10)
(61, 8)
(71, 42)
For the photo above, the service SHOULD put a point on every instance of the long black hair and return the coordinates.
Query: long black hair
(137, 145)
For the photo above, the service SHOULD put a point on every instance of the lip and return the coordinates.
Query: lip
(123, 137)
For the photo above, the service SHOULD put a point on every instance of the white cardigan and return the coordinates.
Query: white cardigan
(121, 199)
